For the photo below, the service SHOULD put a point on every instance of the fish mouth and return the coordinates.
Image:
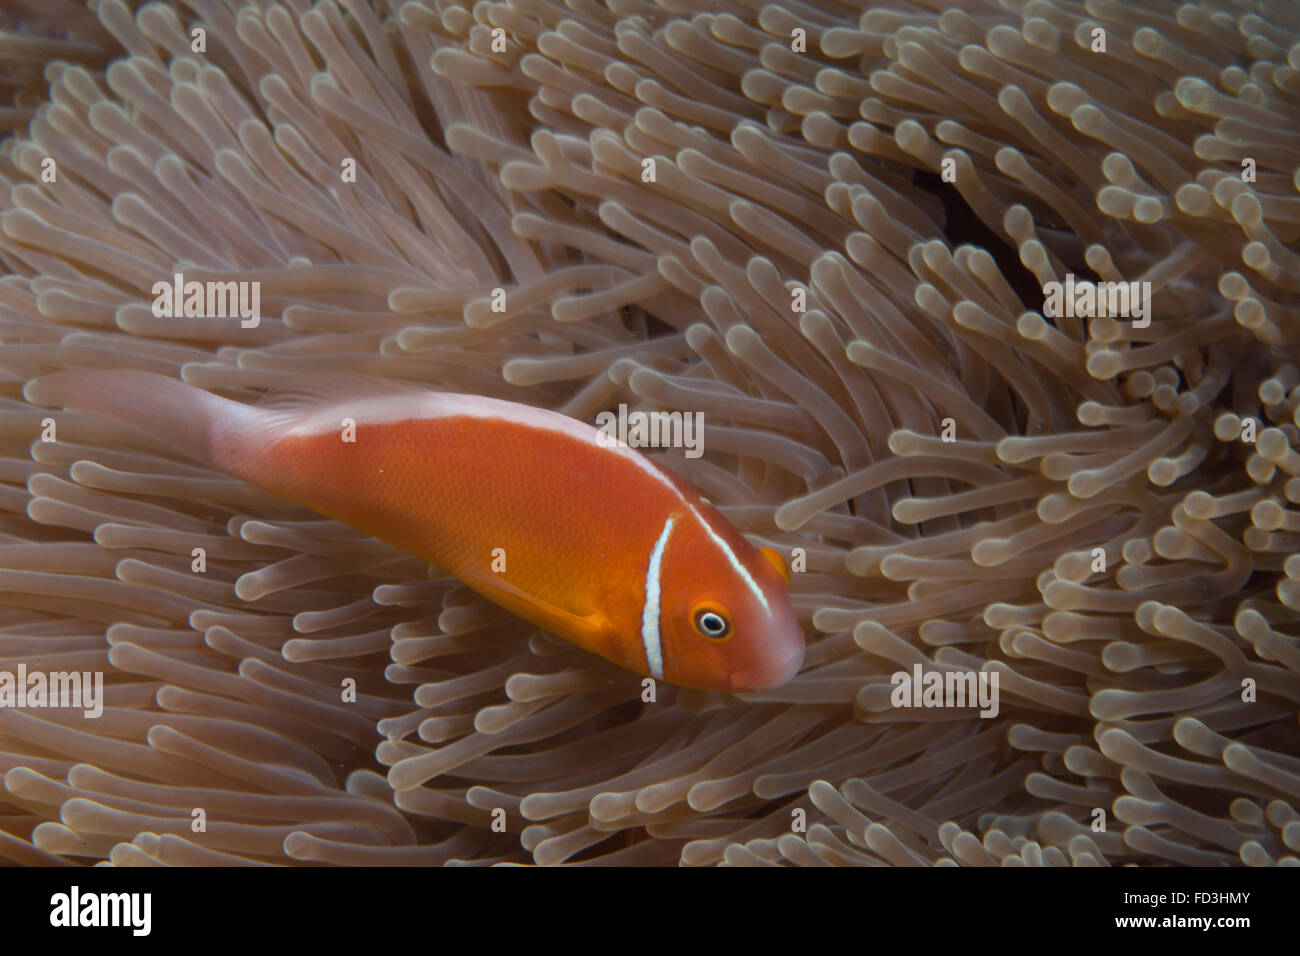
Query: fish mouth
(769, 676)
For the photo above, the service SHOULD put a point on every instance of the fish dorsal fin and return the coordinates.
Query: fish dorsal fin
(312, 391)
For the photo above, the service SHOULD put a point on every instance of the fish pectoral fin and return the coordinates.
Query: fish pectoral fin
(775, 559)
(569, 625)
(561, 621)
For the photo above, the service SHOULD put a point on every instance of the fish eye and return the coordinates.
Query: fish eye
(712, 623)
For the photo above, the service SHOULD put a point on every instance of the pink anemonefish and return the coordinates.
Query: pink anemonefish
(601, 545)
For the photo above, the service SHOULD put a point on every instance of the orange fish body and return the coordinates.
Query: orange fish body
(536, 511)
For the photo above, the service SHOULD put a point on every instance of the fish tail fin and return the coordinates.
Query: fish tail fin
(204, 427)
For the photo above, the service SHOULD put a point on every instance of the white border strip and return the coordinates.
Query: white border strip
(730, 555)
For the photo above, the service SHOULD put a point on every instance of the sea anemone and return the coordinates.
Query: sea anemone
(831, 233)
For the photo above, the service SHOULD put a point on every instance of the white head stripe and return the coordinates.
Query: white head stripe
(735, 561)
(654, 654)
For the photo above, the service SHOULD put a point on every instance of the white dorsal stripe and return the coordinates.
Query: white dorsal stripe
(654, 652)
(730, 555)
(406, 405)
